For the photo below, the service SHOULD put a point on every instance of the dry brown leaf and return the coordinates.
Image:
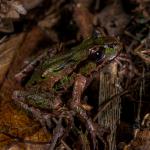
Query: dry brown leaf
(11, 120)
(7, 51)
(113, 19)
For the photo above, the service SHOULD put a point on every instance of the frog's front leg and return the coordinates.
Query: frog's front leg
(76, 106)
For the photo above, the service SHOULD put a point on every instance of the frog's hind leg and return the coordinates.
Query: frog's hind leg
(42, 118)
(76, 106)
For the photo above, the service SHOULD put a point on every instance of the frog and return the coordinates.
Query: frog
(53, 77)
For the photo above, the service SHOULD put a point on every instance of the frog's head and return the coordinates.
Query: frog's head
(102, 51)
(106, 51)
(105, 47)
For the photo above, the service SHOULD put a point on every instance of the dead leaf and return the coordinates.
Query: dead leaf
(7, 51)
(113, 19)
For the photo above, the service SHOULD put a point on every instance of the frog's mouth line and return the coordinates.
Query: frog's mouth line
(112, 57)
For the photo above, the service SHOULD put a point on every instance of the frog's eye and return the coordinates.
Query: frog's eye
(97, 54)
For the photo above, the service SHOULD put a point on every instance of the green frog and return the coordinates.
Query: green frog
(53, 77)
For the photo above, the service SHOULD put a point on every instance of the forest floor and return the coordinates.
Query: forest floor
(29, 28)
